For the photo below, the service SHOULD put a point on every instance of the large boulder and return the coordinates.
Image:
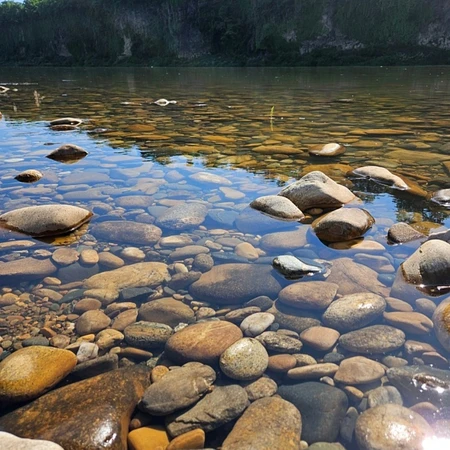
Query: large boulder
(88, 415)
(45, 220)
(316, 190)
(235, 283)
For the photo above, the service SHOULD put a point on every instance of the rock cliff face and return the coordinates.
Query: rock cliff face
(225, 31)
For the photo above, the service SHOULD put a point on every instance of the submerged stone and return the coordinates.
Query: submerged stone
(127, 231)
(88, 415)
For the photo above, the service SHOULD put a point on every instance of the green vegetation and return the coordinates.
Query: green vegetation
(220, 32)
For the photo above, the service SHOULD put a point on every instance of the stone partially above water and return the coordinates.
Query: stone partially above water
(68, 153)
(29, 176)
(332, 149)
(441, 321)
(293, 268)
(235, 283)
(88, 415)
(277, 206)
(344, 224)
(45, 220)
(182, 217)
(442, 197)
(401, 232)
(127, 231)
(316, 190)
(32, 371)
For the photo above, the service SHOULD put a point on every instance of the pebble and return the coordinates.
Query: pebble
(246, 359)
(151, 437)
(109, 338)
(282, 363)
(278, 343)
(359, 370)
(260, 388)
(313, 371)
(92, 321)
(257, 323)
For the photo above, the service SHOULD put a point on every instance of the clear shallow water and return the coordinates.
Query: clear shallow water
(222, 124)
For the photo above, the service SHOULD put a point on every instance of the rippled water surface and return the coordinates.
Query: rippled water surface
(252, 126)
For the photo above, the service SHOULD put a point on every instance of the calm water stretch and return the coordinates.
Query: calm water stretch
(170, 184)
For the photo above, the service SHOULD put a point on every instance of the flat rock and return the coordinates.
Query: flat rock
(320, 338)
(285, 240)
(217, 408)
(343, 224)
(401, 232)
(147, 335)
(441, 321)
(277, 342)
(352, 278)
(11, 442)
(246, 359)
(267, 424)
(409, 321)
(354, 311)
(30, 372)
(322, 408)
(87, 415)
(145, 274)
(166, 310)
(277, 206)
(27, 267)
(45, 220)
(177, 389)
(317, 190)
(421, 384)
(257, 323)
(332, 149)
(235, 283)
(378, 429)
(203, 342)
(127, 231)
(359, 370)
(182, 217)
(374, 339)
(313, 371)
(313, 295)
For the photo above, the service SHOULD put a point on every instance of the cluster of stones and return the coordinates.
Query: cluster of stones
(190, 341)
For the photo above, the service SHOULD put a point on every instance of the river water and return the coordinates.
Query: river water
(253, 127)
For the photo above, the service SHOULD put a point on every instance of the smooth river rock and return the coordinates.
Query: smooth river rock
(68, 153)
(10, 442)
(332, 149)
(30, 268)
(166, 310)
(127, 231)
(267, 424)
(391, 427)
(30, 372)
(373, 339)
(217, 408)
(441, 321)
(203, 342)
(317, 190)
(29, 176)
(177, 389)
(322, 408)
(147, 335)
(354, 311)
(313, 295)
(235, 283)
(88, 415)
(182, 217)
(359, 370)
(343, 224)
(401, 232)
(246, 359)
(45, 220)
(277, 206)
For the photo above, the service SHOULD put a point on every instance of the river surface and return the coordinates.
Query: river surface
(253, 127)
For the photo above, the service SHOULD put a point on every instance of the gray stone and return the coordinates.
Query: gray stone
(383, 395)
(177, 389)
(260, 388)
(276, 342)
(354, 311)
(292, 267)
(10, 442)
(68, 153)
(182, 217)
(373, 339)
(257, 323)
(217, 408)
(401, 232)
(316, 190)
(147, 335)
(127, 231)
(277, 206)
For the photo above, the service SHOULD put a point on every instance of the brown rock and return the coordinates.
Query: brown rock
(267, 424)
(410, 322)
(166, 310)
(359, 370)
(92, 322)
(27, 267)
(148, 438)
(129, 232)
(441, 321)
(281, 363)
(32, 371)
(65, 256)
(29, 176)
(191, 440)
(314, 295)
(313, 371)
(88, 415)
(320, 338)
(203, 342)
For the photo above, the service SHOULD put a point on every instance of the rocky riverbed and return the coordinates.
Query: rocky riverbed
(162, 305)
